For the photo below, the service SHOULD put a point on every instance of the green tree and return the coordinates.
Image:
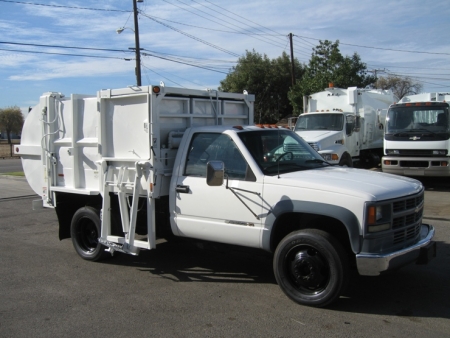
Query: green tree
(328, 65)
(270, 81)
(11, 121)
(400, 85)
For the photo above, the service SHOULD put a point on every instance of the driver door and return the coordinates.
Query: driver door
(229, 215)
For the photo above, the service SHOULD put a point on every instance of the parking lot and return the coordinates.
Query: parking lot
(192, 289)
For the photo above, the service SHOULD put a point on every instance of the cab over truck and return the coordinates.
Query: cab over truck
(128, 165)
(417, 138)
(346, 125)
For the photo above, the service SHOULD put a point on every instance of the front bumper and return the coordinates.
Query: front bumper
(416, 166)
(421, 253)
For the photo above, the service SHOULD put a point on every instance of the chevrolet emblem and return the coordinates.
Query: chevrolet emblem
(415, 138)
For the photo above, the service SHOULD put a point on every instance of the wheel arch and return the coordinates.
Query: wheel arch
(288, 216)
(66, 206)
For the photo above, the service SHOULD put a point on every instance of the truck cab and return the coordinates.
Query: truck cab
(417, 137)
(346, 125)
(334, 135)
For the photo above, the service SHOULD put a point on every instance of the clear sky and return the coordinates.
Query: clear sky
(194, 43)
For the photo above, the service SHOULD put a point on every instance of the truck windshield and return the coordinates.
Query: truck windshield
(402, 119)
(321, 121)
(279, 151)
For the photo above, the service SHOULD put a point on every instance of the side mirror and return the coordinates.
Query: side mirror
(215, 172)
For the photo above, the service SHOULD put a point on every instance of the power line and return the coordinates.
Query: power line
(64, 54)
(246, 19)
(381, 48)
(57, 46)
(184, 63)
(148, 68)
(409, 67)
(191, 36)
(248, 32)
(298, 36)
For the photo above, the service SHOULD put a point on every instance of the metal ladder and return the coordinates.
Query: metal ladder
(127, 244)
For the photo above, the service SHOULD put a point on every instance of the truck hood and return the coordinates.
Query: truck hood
(365, 184)
(317, 135)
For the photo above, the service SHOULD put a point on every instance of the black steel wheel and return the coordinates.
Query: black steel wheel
(85, 231)
(311, 268)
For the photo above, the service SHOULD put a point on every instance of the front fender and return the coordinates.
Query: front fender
(345, 216)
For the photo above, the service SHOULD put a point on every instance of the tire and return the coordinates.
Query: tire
(311, 268)
(85, 231)
(346, 161)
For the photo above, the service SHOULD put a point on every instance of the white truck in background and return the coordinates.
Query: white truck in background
(346, 125)
(128, 166)
(417, 137)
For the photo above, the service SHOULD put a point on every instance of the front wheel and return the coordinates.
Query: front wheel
(85, 231)
(311, 268)
(346, 161)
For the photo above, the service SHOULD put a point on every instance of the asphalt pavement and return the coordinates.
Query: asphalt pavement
(184, 290)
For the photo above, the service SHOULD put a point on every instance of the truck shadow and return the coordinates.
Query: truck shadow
(412, 292)
(197, 261)
(435, 183)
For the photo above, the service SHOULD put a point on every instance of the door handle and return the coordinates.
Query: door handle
(182, 188)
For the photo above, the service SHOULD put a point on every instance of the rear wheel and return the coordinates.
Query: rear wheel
(311, 268)
(85, 231)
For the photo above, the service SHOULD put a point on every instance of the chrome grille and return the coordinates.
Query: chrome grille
(314, 145)
(406, 233)
(407, 218)
(402, 221)
(409, 203)
(295, 148)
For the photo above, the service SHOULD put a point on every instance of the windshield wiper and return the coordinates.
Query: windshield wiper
(318, 160)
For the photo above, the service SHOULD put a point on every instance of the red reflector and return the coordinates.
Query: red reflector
(17, 149)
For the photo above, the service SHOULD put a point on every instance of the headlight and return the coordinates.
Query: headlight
(392, 151)
(378, 218)
(330, 157)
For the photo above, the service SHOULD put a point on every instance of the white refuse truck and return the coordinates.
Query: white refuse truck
(128, 166)
(417, 138)
(346, 125)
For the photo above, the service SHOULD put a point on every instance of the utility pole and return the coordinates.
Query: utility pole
(375, 71)
(292, 60)
(138, 48)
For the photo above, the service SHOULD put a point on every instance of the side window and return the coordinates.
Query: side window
(350, 124)
(207, 147)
